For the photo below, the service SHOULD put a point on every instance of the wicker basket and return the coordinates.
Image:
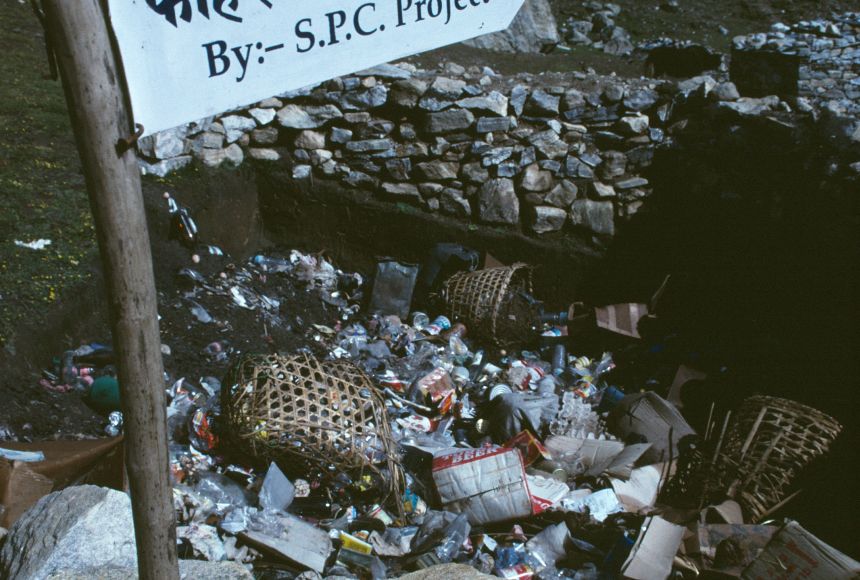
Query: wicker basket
(491, 304)
(312, 413)
(770, 441)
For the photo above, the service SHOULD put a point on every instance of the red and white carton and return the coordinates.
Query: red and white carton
(487, 484)
(546, 492)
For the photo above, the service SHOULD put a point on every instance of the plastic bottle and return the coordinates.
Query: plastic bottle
(455, 535)
(272, 264)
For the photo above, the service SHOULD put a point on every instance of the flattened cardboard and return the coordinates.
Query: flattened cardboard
(795, 553)
(650, 415)
(654, 551)
(66, 463)
(621, 318)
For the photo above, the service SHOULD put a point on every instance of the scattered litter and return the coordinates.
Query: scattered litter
(39, 244)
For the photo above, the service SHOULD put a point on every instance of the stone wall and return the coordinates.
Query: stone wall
(535, 153)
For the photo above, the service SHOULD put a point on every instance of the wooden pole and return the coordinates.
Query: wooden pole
(78, 33)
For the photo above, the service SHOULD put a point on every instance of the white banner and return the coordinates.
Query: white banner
(189, 59)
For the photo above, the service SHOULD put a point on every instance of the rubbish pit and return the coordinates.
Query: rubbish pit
(313, 434)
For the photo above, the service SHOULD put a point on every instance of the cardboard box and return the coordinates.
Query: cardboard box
(650, 415)
(654, 551)
(487, 484)
(795, 553)
(66, 463)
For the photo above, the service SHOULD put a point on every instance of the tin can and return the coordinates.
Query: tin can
(517, 572)
(376, 512)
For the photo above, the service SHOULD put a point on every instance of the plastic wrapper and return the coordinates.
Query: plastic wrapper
(512, 413)
(277, 492)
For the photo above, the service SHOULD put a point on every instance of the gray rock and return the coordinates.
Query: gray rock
(236, 126)
(507, 169)
(357, 117)
(263, 154)
(163, 145)
(613, 92)
(309, 117)
(498, 203)
(438, 170)
(528, 156)
(614, 165)
(320, 156)
(551, 165)
(603, 190)
(78, 528)
(495, 103)
(164, 167)
(574, 167)
(406, 93)
(209, 140)
(370, 145)
(264, 136)
(532, 28)
(407, 131)
(308, 139)
(640, 99)
(631, 183)
(619, 46)
(542, 104)
(493, 124)
(474, 173)
(446, 88)
(453, 203)
(360, 179)
(519, 94)
(549, 144)
(429, 190)
(563, 194)
(573, 100)
(340, 135)
(449, 121)
(262, 116)
(363, 100)
(727, 91)
(399, 169)
(434, 104)
(634, 125)
(535, 179)
(496, 155)
(597, 216)
(270, 103)
(385, 71)
(302, 171)
(548, 219)
(402, 192)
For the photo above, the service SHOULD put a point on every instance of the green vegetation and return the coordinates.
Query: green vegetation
(42, 192)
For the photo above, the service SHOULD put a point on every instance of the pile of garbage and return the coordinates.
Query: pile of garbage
(467, 431)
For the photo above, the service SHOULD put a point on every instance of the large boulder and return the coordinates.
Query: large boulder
(78, 528)
(532, 28)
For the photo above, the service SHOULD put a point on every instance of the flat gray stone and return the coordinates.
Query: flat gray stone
(263, 116)
(495, 103)
(542, 104)
(549, 144)
(402, 192)
(498, 202)
(370, 145)
(263, 154)
(264, 136)
(452, 202)
(438, 170)
(449, 121)
(310, 117)
(597, 216)
(548, 219)
(165, 167)
(493, 124)
(563, 194)
(536, 179)
(407, 93)
(447, 88)
(308, 139)
(235, 126)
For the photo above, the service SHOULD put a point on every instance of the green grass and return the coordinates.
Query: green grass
(42, 192)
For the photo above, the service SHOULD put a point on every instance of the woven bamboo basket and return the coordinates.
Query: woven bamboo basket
(490, 302)
(309, 413)
(770, 441)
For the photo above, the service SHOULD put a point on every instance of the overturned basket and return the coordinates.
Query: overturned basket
(769, 443)
(319, 413)
(493, 303)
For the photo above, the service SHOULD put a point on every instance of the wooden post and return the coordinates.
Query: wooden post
(78, 33)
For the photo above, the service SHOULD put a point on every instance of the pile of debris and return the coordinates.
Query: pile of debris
(465, 432)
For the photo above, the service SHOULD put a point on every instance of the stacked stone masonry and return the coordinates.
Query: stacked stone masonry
(540, 153)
